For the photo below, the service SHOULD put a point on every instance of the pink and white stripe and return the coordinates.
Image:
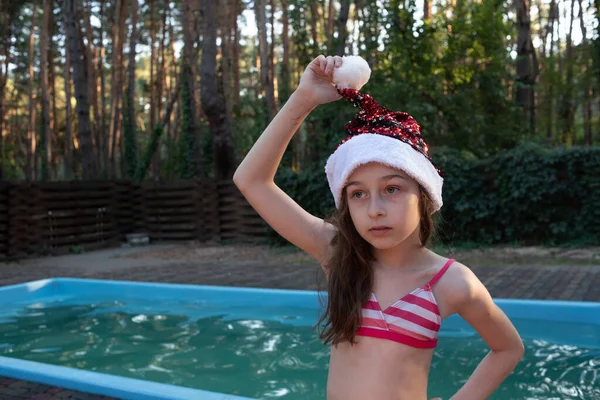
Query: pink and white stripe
(413, 320)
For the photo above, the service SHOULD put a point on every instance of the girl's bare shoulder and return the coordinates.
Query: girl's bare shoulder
(456, 286)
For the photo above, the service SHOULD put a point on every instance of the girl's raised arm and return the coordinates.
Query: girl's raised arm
(255, 175)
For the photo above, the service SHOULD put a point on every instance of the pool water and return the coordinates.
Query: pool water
(224, 349)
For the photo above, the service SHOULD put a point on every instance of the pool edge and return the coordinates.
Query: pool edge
(101, 383)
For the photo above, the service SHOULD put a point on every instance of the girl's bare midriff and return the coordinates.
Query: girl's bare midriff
(378, 369)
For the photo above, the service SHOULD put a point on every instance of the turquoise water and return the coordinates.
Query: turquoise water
(211, 347)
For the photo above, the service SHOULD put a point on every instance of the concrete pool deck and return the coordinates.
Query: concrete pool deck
(240, 266)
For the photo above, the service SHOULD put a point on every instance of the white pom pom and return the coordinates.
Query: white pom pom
(353, 73)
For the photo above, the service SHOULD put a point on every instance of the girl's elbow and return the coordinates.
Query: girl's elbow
(237, 179)
(518, 351)
(515, 350)
(521, 349)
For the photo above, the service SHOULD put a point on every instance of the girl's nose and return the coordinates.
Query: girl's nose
(376, 207)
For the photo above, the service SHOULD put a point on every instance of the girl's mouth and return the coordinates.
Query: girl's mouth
(380, 230)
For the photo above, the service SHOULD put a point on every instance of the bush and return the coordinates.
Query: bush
(530, 195)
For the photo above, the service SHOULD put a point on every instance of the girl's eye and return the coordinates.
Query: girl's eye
(389, 189)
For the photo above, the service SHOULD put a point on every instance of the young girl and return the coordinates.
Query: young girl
(387, 293)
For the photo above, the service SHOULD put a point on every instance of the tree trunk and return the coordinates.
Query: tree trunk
(543, 33)
(30, 170)
(189, 64)
(173, 70)
(6, 19)
(525, 70)
(587, 85)
(314, 29)
(162, 87)
(340, 47)
(263, 45)
(54, 137)
(45, 32)
(568, 102)
(93, 88)
(80, 76)
(213, 102)
(558, 44)
(129, 130)
(285, 83)
(550, 110)
(427, 6)
(116, 84)
(225, 52)
(68, 148)
(289, 156)
(161, 81)
(236, 52)
(273, 63)
(330, 19)
(152, 69)
(102, 139)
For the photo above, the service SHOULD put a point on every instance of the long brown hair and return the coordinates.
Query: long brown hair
(350, 274)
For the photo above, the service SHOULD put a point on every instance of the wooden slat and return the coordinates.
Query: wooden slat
(76, 203)
(172, 227)
(172, 236)
(172, 211)
(69, 195)
(75, 186)
(90, 212)
(166, 194)
(66, 249)
(170, 203)
(172, 219)
(81, 238)
(74, 229)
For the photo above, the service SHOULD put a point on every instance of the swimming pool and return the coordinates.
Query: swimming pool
(164, 341)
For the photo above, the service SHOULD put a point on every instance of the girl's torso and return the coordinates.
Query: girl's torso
(379, 368)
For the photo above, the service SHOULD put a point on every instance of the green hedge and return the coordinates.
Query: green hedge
(529, 195)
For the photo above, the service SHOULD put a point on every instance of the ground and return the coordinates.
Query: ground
(525, 272)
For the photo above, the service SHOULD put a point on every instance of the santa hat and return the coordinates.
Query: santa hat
(380, 135)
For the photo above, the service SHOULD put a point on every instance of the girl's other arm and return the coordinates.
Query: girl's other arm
(255, 175)
(479, 310)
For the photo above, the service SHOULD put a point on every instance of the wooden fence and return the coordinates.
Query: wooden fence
(61, 217)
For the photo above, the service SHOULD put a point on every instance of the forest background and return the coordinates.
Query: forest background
(507, 94)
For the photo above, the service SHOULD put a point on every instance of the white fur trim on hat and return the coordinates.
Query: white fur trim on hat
(369, 147)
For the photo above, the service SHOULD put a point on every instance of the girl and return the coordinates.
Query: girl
(387, 293)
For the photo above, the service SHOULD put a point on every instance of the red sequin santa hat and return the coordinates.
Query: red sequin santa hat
(377, 134)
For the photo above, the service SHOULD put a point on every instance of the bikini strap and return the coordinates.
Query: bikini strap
(442, 271)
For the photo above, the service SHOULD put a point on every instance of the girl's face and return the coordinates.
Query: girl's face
(382, 196)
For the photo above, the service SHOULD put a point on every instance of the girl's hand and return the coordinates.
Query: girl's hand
(316, 83)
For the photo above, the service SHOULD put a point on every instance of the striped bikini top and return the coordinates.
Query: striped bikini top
(413, 320)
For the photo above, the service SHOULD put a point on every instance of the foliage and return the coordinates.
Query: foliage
(187, 165)
(529, 195)
(142, 169)
(129, 136)
(454, 72)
